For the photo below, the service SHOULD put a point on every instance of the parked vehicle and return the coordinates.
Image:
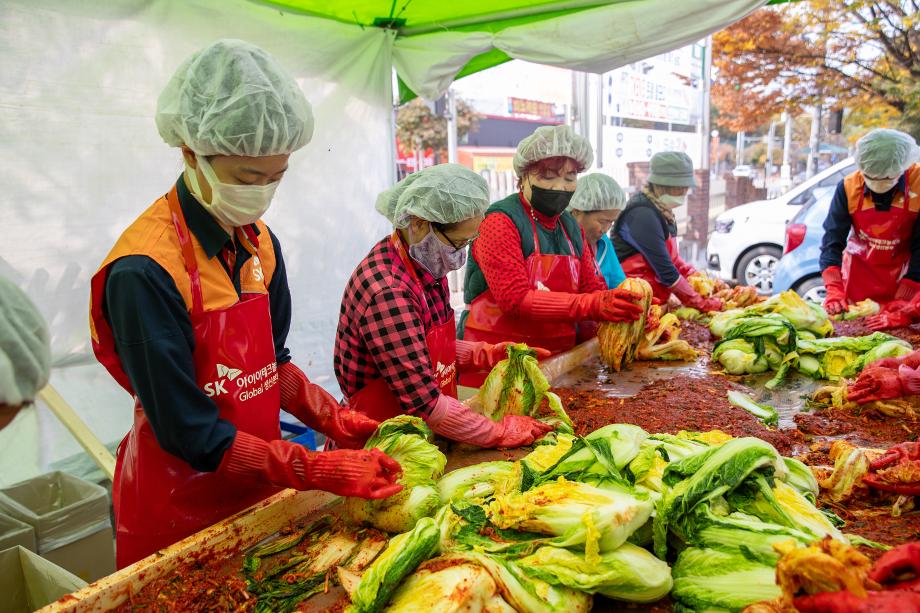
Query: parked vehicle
(748, 240)
(798, 269)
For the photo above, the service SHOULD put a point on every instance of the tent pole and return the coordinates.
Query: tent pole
(705, 162)
(786, 170)
(451, 126)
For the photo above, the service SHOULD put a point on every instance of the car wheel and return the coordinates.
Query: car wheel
(812, 290)
(757, 268)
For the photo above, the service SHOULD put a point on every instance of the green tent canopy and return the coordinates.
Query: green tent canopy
(437, 41)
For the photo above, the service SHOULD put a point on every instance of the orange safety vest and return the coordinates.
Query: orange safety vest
(153, 235)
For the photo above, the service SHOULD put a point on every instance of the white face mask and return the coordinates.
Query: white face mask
(231, 205)
(672, 202)
(881, 186)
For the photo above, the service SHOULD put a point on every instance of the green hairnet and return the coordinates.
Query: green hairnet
(233, 98)
(884, 153)
(25, 350)
(446, 193)
(598, 192)
(552, 141)
(672, 169)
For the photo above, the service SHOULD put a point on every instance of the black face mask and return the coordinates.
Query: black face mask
(549, 202)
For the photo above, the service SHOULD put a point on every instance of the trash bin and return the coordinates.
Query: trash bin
(14, 532)
(29, 582)
(71, 521)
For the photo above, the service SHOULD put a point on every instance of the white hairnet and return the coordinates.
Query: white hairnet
(25, 347)
(552, 141)
(446, 193)
(597, 192)
(884, 153)
(233, 98)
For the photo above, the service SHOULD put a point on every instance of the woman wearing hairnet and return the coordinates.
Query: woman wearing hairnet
(530, 278)
(25, 359)
(645, 234)
(871, 244)
(190, 313)
(396, 349)
(596, 205)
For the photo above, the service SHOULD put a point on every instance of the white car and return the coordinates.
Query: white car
(748, 240)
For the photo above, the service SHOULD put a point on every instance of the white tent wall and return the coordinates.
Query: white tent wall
(81, 158)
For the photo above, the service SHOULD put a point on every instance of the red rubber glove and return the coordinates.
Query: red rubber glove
(875, 384)
(902, 452)
(518, 430)
(847, 602)
(456, 421)
(911, 360)
(316, 408)
(835, 302)
(484, 356)
(366, 474)
(900, 567)
(896, 314)
(602, 305)
(907, 290)
(689, 297)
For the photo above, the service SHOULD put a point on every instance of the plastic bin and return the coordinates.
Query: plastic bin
(14, 532)
(29, 582)
(71, 521)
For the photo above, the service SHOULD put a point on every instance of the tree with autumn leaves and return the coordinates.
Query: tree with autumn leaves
(856, 54)
(419, 128)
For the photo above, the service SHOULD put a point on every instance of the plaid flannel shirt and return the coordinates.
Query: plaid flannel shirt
(382, 327)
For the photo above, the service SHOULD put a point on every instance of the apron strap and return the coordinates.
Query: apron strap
(597, 262)
(536, 239)
(402, 253)
(188, 250)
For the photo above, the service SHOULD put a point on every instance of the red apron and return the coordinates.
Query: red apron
(637, 266)
(487, 322)
(158, 498)
(375, 399)
(878, 250)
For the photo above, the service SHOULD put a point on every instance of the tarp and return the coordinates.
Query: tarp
(82, 158)
(439, 41)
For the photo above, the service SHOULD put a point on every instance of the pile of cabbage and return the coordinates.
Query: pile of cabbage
(786, 332)
(603, 514)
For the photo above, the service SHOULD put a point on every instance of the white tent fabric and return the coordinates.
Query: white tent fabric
(81, 158)
(595, 40)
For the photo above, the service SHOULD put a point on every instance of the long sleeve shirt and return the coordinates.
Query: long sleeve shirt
(499, 254)
(154, 339)
(837, 227)
(642, 229)
(609, 263)
(383, 324)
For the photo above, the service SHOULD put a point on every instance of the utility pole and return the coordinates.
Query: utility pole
(739, 148)
(451, 127)
(705, 161)
(814, 142)
(770, 136)
(599, 126)
(785, 172)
